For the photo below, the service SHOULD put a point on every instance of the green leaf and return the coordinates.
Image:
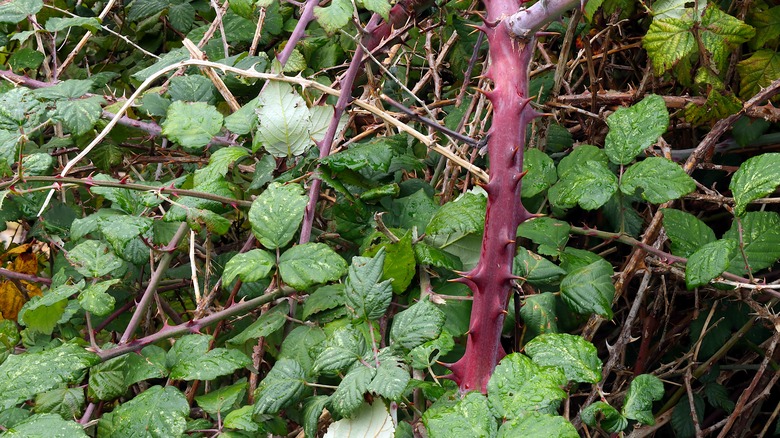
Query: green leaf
(589, 289)
(755, 178)
(149, 363)
(250, 266)
(659, 179)
(265, 325)
(283, 386)
(668, 8)
(343, 349)
(48, 425)
(634, 129)
(324, 298)
(468, 416)
(303, 266)
(376, 155)
(349, 395)
(686, 232)
(335, 16)
(223, 400)
(403, 267)
(708, 262)
(18, 107)
(420, 323)
(367, 421)
(64, 401)
(241, 419)
(42, 313)
(191, 359)
(244, 120)
(767, 24)
(757, 72)
(302, 345)
(534, 424)
(381, 7)
(519, 385)
(366, 296)
(760, 241)
(57, 24)
(181, 15)
(283, 121)
(276, 214)
(590, 8)
(590, 185)
(192, 125)
(427, 354)
(155, 413)
(577, 357)
(550, 234)
(15, 11)
(721, 33)
(536, 269)
(26, 58)
(312, 410)
(79, 115)
(644, 390)
(391, 377)
(141, 9)
(541, 172)
(600, 414)
(95, 299)
(429, 255)
(219, 164)
(457, 219)
(539, 314)
(167, 60)
(668, 41)
(581, 154)
(22, 376)
(107, 380)
(9, 337)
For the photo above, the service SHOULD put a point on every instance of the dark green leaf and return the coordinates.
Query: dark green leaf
(469, 416)
(64, 401)
(755, 178)
(366, 296)
(94, 298)
(107, 379)
(536, 269)
(534, 424)
(24, 375)
(93, 259)
(759, 239)
(266, 324)
(149, 363)
(539, 314)
(420, 323)
(550, 234)
(343, 349)
(519, 385)
(602, 415)
(348, 397)
(686, 232)
(312, 409)
(15, 11)
(457, 219)
(283, 385)
(659, 179)
(276, 214)
(325, 298)
(634, 129)
(191, 359)
(644, 390)
(391, 377)
(250, 266)
(305, 265)
(589, 289)
(541, 172)
(577, 357)
(223, 400)
(155, 413)
(708, 262)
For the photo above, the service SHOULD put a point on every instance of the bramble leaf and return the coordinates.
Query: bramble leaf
(192, 125)
(634, 129)
(755, 178)
(249, 266)
(644, 390)
(590, 186)
(577, 357)
(276, 214)
(659, 179)
(366, 296)
(283, 121)
(686, 232)
(303, 266)
(589, 289)
(283, 385)
(519, 385)
(708, 262)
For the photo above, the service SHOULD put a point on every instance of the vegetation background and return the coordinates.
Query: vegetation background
(248, 218)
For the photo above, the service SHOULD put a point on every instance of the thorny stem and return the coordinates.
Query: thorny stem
(491, 280)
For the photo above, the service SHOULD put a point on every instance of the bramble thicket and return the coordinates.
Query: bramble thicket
(389, 218)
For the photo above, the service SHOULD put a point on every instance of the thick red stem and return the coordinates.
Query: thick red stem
(491, 279)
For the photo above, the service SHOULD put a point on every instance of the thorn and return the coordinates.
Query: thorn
(510, 242)
(504, 312)
(523, 174)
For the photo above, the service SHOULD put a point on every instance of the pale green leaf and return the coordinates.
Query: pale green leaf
(367, 421)
(94, 298)
(219, 163)
(334, 16)
(15, 11)
(223, 400)
(767, 24)
(283, 121)
(192, 125)
(757, 72)
(668, 41)
(321, 116)
(57, 24)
